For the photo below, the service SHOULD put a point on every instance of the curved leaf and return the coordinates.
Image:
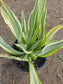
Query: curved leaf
(9, 49)
(13, 57)
(33, 75)
(32, 24)
(52, 41)
(37, 52)
(51, 48)
(35, 45)
(50, 34)
(16, 26)
(23, 47)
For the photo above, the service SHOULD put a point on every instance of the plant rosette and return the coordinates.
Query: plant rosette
(24, 66)
(33, 42)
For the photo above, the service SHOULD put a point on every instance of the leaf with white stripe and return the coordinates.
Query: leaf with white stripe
(50, 34)
(16, 26)
(33, 75)
(51, 48)
(13, 57)
(8, 48)
(24, 48)
(32, 23)
(23, 23)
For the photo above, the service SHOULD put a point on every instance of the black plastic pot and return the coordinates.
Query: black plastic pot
(21, 68)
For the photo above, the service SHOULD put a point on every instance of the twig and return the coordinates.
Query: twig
(13, 81)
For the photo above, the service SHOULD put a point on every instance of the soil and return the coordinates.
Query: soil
(52, 72)
(37, 63)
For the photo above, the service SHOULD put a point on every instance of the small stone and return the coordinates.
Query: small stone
(61, 18)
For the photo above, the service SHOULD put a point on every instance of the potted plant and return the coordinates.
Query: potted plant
(32, 43)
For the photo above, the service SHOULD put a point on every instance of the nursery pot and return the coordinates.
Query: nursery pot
(24, 66)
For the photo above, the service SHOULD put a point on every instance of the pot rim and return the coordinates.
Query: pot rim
(17, 65)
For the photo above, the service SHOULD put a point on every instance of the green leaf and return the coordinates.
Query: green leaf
(23, 23)
(51, 48)
(42, 30)
(42, 16)
(35, 45)
(42, 44)
(11, 19)
(13, 57)
(42, 5)
(33, 75)
(42, 23)
(24, 31)
(9, 49)
(37, 52)
(24, 48)
(33, 21)
(41, 8)
(32, 56)
(35, 31)
(52, 41)
(7, 20)
(50, 34)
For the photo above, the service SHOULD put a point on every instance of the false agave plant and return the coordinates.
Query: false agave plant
(32, 39)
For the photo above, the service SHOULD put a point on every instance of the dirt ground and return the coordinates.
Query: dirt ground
(52, 72)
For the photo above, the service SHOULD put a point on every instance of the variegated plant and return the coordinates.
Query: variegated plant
(31, 38)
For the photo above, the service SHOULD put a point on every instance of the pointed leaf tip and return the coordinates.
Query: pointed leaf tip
(51, 48)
